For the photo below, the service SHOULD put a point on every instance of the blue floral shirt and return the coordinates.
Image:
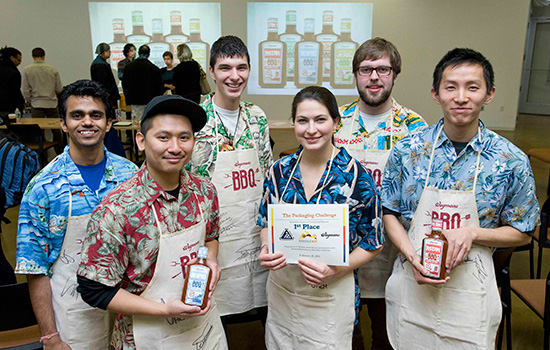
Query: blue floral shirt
(505, 189)
(348, 182)
(44, 210)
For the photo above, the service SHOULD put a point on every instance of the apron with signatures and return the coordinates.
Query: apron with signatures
(305, 317)
(373, 275)
(158, 333)
(81, 326)
(238, 179)
(465, 312)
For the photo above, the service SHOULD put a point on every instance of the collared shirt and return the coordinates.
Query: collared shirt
(207, 145)
(402, 119)
(123, 241)
(44, 210)
(349, 182)
(41, 85)
(505, 189)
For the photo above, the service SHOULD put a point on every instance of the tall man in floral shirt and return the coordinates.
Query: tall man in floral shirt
(233, 150)
(481, 186)
(142, 236)
(53, 216)
(368, 129)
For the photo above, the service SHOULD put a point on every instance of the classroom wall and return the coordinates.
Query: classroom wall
(423, 31)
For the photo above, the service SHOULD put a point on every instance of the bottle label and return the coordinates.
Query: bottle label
(308, 62)
(343, 60)
(199, 53)
(432, 257)
(290, 40)
(139, 40)
(117, 54)
(327, 40)
(175, 19)
(196, 286)
(272, 57)
(157, 49)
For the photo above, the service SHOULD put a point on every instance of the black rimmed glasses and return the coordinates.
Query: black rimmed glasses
(382, 71)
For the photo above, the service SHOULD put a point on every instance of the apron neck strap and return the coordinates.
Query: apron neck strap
(157, 218)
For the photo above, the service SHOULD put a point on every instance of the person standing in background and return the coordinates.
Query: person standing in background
(129, 52)
(187, 75)
(10, 82)
(168, 72)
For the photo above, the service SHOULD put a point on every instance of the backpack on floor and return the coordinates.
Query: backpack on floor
(18, 165)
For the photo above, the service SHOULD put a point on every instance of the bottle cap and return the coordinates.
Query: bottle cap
(203, 252)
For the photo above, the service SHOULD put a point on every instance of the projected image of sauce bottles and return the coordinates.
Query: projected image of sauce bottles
(158, 46)
(290, 37)
(341, 76)
(327, 37)
(308, 54)
(119, 40)
(138, 36)
(199, 48)
(176, 36)
(272, 54)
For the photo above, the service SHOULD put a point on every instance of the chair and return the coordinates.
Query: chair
(541, 233)
(542, 154)
(501, 261)
(18, 326)
(31, 136)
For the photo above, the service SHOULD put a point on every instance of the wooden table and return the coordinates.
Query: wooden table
(53, 123)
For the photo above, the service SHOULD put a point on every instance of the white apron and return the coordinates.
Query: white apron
(81, 326)
(158, 333)
(303, 317)
(373, 275)
(465, 312)
(238, 179)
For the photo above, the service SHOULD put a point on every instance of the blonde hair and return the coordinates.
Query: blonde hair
(184, 53)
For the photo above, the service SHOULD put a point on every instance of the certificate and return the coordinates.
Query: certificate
(318, 232)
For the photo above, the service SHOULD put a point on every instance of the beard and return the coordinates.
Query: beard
(374, 101)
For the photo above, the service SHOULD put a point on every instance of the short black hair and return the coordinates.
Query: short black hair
(144, 50)
(83, 88)
(6, 52)
(460, 56)
(127, 49)
(38, 52)
(228, 46)
(169, 54)
(319, 94)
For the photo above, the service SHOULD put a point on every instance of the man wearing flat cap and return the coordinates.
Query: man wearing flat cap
(144, 233)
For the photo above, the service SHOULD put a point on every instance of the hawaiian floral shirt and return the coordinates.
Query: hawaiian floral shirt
(403, 121)
(505, 189)
(203, 161)
(349, 182)
(44, 210)
(123, 242)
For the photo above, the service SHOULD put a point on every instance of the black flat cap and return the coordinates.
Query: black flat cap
(175, 104)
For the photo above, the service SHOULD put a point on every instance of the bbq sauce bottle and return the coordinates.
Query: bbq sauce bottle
(197, 281)
(434, 251)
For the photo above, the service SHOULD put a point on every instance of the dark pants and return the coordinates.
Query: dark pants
(259, 313)
(376, 308)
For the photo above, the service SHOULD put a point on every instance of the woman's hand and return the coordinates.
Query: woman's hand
(273, 261)
(318, 274)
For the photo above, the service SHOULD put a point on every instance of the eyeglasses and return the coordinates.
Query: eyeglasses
(382, 71)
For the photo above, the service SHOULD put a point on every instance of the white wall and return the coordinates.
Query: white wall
(423, 31)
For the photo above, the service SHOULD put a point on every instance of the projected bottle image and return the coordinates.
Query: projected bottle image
(176, 35)
(327, 37)
(199, 48)
(341, 76)
(290, 37)
(138, 36)
(119, 40)
(307, 65)
(272, 58)
(158, 46)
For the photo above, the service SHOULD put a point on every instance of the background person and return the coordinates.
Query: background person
(168, 72)
(10, 82)
(186, 75)
(318, 174)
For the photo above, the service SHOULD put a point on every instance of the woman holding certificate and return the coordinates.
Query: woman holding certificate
(312, 304)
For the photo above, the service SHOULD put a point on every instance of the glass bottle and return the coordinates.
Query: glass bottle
(158, 46)
(290, 37)
(119, 40)
(307, 66)
(176, 36)
(138, 36)
(272, 58)
(434, 251)
(327, 37)
(199, 48)
(341, 76)
(197, 281)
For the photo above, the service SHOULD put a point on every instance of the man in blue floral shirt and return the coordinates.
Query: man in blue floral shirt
(55, 210)
(481, 186)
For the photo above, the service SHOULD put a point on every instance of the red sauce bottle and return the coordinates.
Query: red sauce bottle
(197, 281)
(434, 251)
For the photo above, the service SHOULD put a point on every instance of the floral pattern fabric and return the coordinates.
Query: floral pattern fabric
(348, 182)
(505, 189)
(205, 152)
(401, 120)
(44, 210)
(123, 240)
